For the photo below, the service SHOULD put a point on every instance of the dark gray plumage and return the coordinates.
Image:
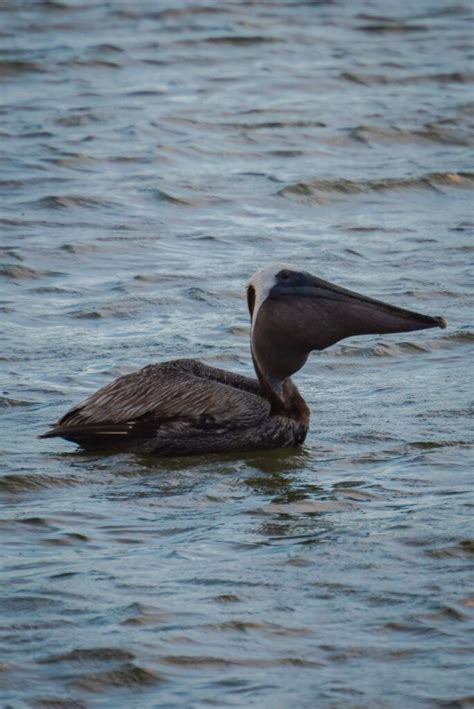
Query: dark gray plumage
(178, 407)
(183, 406)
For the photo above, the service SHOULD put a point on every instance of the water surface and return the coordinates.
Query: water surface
(154, 155)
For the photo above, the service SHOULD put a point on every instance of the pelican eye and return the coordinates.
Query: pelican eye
(284, 275)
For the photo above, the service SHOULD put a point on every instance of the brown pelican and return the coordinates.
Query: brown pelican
(183, 406)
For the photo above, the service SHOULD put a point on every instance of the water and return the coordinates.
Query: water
(154, 155)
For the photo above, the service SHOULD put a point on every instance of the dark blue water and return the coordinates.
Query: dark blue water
(154, 155)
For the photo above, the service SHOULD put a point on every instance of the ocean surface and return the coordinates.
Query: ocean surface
(154, 154)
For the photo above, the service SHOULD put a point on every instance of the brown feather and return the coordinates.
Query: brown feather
(182, 406)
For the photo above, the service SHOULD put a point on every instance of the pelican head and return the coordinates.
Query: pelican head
(294, 313)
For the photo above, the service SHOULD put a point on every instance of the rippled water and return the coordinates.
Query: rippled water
(154, 155)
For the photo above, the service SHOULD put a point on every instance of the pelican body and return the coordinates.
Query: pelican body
(184, 407)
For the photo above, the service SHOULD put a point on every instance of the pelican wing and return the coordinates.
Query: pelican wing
(175, 395)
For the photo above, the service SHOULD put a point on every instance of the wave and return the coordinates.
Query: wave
(16, 272)
(319, 190)
(14, 483)
(8, 403)
(393, 134)
(13, 68)
(455, 77)
(129, 675)
(67, 201)
(387, 25)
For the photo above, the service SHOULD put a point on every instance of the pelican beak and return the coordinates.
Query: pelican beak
(321, 313)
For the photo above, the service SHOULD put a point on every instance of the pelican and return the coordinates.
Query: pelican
(185, 407)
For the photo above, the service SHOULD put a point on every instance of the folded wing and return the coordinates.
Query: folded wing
(177, 396)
